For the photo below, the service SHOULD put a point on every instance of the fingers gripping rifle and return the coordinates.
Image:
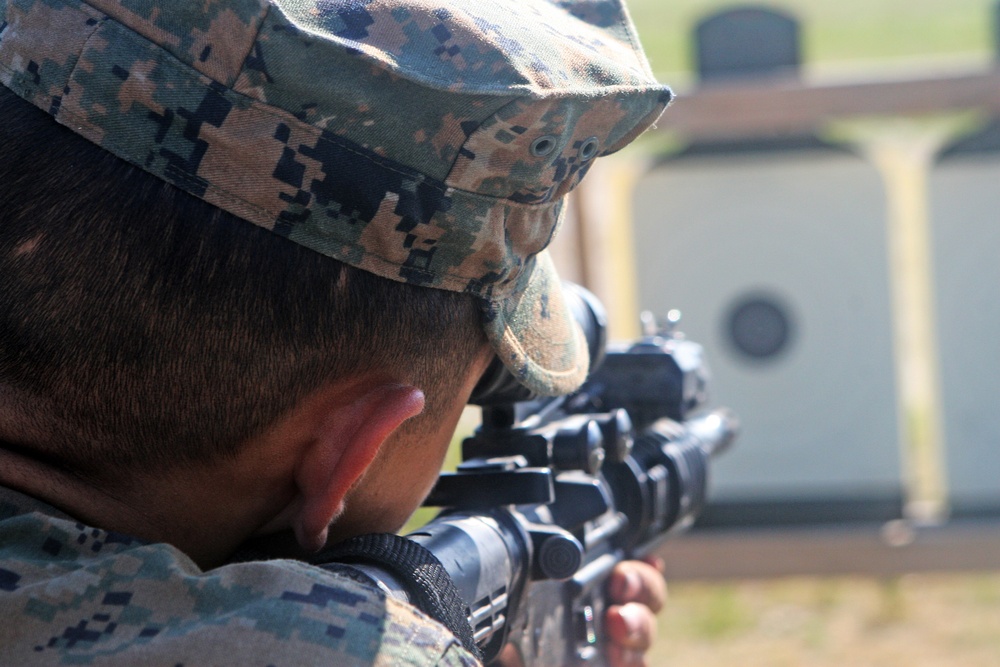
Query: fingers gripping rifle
(552, 493)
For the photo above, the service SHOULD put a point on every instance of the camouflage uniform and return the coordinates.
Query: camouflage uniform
(71, 594)
(423, 141)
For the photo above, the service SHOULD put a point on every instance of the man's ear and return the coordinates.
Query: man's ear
(345, 441)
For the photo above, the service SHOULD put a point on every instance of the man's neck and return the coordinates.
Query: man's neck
(194, 510)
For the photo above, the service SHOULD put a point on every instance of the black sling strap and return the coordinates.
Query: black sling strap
(430, 585)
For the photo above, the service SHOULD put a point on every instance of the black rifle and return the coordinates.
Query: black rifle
(554, 492)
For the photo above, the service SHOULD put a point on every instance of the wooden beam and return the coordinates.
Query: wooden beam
(790, 106)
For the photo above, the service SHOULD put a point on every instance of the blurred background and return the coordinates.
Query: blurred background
(821, 203)
(856, 37)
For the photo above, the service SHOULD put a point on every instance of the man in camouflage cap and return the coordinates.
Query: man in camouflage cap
(175, 381)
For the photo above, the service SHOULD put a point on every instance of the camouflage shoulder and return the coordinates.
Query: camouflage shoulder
(78, 595)
(413, 638)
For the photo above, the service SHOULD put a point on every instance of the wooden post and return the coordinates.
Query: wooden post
(903, 150)
(599, 249)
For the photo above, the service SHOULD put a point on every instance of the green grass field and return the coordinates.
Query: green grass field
(834, 32)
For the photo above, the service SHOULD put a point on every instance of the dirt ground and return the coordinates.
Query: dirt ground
(910, 621)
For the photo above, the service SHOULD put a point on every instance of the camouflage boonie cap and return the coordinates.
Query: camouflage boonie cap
(424, 141)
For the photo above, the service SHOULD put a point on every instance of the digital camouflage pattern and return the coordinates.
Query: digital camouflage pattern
(426, 142)
(75, 595)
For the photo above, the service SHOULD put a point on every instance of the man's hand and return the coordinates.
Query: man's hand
(637, 591)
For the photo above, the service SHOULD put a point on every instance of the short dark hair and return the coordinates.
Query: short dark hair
(158, 329)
